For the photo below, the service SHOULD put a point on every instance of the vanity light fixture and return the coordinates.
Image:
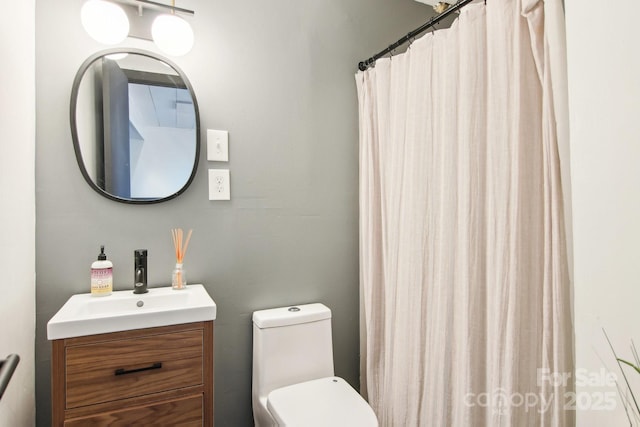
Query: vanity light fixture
(172, 34)
(106, 22)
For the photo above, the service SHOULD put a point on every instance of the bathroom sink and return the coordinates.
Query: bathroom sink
(84, 314)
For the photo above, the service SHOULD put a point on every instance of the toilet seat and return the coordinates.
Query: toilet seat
(325, 402)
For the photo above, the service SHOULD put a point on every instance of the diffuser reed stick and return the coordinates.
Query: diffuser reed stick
(178, 278)
(180, 247)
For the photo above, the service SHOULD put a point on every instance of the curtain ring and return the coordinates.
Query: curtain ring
(410, 39)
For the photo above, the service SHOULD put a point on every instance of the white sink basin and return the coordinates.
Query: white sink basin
(83, 314)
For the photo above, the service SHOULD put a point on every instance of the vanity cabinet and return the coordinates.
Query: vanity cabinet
(159, 376)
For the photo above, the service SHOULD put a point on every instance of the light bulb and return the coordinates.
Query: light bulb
(105, 22)
(172, 34)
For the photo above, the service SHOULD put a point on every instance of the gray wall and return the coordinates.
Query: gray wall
(17, 188)
(279, 77)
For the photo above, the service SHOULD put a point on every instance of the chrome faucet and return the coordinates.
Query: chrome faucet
(140, 271)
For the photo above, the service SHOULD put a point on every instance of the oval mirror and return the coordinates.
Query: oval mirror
(135, 126)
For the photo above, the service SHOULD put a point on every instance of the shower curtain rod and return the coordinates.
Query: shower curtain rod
(413, 34)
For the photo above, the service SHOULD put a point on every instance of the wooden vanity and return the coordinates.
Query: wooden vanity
(160, 376)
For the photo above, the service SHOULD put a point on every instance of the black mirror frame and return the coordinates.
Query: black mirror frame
(74, 130)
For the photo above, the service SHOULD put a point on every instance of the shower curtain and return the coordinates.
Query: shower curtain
(465, 293)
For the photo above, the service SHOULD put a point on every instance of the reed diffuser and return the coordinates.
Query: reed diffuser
(179, 277)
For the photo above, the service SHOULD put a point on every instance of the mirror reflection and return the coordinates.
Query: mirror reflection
(135, 126)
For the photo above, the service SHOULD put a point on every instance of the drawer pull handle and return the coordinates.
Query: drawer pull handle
(122, 371)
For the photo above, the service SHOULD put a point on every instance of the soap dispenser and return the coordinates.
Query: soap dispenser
(101, 275)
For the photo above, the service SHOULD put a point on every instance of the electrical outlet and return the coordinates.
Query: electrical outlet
(217, 145)
(219, 184)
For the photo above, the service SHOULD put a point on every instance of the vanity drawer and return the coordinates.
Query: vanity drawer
(124, 368)
(184, 412)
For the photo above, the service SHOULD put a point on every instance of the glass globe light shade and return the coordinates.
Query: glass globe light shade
(172, 34)
(105, 22)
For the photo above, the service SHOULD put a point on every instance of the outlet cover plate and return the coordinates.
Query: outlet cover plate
(219, 184)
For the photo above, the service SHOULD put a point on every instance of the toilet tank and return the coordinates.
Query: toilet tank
(290, 345)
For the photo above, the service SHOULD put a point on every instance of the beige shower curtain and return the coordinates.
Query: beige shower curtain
(465, 294)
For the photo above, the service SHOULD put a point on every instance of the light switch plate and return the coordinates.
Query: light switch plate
(219, 184)
(217, 145)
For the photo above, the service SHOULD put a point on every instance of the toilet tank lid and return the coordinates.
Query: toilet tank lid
(285, 316)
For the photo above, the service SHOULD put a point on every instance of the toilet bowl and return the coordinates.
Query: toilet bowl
(327, 401)
(293, 376)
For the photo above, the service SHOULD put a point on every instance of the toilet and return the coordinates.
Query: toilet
(293, 378)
